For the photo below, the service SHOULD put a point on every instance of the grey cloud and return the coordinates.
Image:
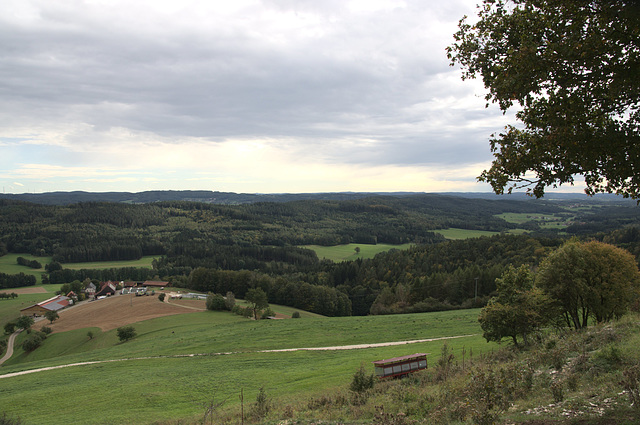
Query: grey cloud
(358, 78)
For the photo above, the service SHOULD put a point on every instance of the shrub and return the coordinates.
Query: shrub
(32, 342)
(262, 406)
(230, 301)
(90, 334)
(126, 333)
(46, 330)
(9, 328)
(6, 420)
(161, 297)
(295, 315)
(267, 313)
(215, 302)
(361, 382)
(631, 384)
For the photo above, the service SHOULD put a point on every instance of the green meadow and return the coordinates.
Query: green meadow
(348, 252)
(9, 264)
(453, 233)
(177, 363)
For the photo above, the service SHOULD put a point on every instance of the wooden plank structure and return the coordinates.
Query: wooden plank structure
(400, 366)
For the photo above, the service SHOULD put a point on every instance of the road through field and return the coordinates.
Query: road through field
(340, 347)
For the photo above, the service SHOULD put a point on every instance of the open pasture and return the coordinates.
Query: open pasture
(172, 388)
(9, 265)
(348, 252)
(96, 265)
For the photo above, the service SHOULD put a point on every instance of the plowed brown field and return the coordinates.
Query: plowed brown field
(116, 311)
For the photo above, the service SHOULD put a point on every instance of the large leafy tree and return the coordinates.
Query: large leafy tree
(590, 279)
(571, 69)
(517, 310)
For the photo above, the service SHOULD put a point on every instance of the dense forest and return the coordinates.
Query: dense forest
(220, 248)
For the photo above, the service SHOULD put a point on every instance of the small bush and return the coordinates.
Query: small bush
(6, 420)
(267, 313)
(46, 330)
(631, 384)
(262, 406)
(32, 342)
(9, 328)
(215, 302)
(90, 334)
(295, 315)
(557, 391)
(362, 381)
(161, 296)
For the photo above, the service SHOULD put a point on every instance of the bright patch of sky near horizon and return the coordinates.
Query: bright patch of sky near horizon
(244, 96)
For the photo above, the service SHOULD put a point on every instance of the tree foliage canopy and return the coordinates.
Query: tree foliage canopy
(516, 310)
(572, 68)
(590, 279)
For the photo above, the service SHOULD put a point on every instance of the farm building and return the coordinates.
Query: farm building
(107, 289)
(90, 290)
(400, 366)
(52, 304)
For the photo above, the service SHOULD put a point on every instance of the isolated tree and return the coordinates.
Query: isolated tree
(590, 279)
(517, 310)
(125, 333)
(24, 322)
(258, 300)
(572, 69)
(51, 316)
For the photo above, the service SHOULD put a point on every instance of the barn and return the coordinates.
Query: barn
(52, 304)
(400, 366)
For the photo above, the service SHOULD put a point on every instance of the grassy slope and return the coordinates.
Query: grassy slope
(166, 388)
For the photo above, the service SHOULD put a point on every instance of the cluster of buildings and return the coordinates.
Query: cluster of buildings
(92, 292)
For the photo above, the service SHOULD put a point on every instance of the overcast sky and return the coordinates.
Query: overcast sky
(242, 96)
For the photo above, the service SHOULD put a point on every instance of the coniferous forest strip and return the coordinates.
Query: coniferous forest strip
(219, 248)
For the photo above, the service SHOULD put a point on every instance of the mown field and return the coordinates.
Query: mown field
(348, 252)
(146, 387)
(452, 233)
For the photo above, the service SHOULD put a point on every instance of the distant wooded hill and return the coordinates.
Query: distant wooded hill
(216, 247)
(230, 198)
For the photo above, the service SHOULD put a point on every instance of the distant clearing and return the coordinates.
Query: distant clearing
(9, 265)
(348, 252)
(96, 265)
(549, 221)
(453, 233)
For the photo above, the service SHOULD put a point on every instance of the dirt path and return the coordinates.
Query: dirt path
(283, 350)
(9, 352)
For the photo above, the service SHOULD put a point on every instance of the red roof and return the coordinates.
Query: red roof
(400, 359)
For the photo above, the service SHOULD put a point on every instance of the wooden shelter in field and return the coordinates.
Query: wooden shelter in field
(400, 366)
